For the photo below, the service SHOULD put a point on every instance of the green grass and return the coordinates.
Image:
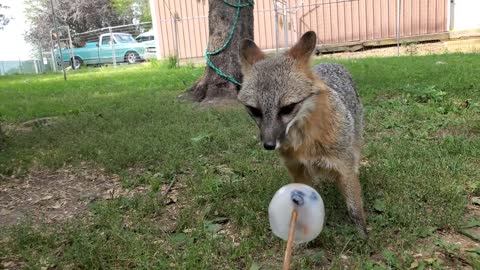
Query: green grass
(421, 165)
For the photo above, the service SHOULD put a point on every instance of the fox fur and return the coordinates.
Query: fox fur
(312, 117)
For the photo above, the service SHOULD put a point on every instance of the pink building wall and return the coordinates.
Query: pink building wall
(334, 21)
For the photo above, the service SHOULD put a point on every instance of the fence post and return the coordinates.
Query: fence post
(113, 47)
(398, 26)
(35, 66)
(71, 48)
(156, 27)
(20, 66)
(41, 65)
(285, 24)
(58, 41)
(54, 66)
(277, 30)
(175, 30)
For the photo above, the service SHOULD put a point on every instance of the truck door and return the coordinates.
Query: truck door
(105, 50)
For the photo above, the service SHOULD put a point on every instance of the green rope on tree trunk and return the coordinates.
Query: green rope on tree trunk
(222, 74)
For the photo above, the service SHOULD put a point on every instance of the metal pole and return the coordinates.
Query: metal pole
(40, 64)
(54, 66)
(20, 66)
(35, 66)
(277, 30)
(58, 41)
(450, 14)
(398, 27)
(285, 26)
(71, 48)
(175, 30)
(157, 29)
(113, 47)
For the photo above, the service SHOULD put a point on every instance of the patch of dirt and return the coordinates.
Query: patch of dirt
(11, 264)
(221, 103)
(383, 97)
(405, 49)
(29, 125)
(53, 196)
(446, 249)
(174, 201)
(455, 131)
(453, 247)
(379, 133)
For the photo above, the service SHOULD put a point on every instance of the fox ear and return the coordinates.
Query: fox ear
(249, 54)
(303, 49)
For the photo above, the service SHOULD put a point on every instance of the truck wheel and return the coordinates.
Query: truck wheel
(132, 57)
(76, 62)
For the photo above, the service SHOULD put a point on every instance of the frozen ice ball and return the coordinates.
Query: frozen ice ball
(310, 209)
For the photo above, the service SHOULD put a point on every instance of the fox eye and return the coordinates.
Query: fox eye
(287, 109)
(255, 111)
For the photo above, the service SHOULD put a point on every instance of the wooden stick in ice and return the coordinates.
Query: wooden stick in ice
(291, 234)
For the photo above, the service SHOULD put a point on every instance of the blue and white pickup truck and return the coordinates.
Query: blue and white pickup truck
(126, 48)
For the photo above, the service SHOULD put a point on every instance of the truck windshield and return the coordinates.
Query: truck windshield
(125, 39)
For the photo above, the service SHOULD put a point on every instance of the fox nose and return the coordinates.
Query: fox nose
(269, 145)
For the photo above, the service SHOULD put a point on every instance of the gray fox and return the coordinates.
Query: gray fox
(312, 117)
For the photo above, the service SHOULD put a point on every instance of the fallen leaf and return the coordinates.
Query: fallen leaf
(56, 206)
(188, 230)
(414, 265)
(430, 260)
(8, 264)
(470, 234)
(472, 223)
(48, 197)
(254, 266)
(110, 194)
(214, 228)
(171, 198)
(179, 237)
(476, 200)
(200, 138)
(425, 232)
(379, 205)
(220, 220)
(4, 212)
(224, 170)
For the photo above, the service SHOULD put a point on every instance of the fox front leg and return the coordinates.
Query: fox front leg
(349, 185)
(299, 172)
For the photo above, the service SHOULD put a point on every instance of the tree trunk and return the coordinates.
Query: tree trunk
(211, 87)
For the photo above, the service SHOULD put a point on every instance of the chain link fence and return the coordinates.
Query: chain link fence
(86, 48)
(46, 63)
(129, 44)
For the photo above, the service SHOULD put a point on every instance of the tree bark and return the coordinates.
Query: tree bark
(212, 88)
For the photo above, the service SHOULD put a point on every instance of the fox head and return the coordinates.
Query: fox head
(276, 90)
